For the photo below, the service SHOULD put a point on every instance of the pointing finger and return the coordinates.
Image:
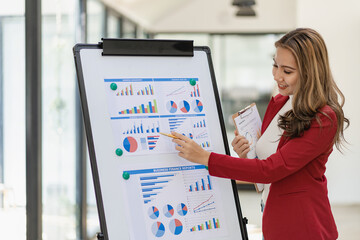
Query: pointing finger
(182, 137)
(179, 142)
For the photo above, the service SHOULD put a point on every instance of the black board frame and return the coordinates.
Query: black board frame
(144, 47)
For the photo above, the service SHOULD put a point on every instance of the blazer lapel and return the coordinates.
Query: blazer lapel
(275, 104)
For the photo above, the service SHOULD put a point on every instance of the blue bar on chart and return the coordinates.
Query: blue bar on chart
(209, 182)
(128, 91)
(201, 185)
(200, 124)
(174, 123)
(140, 128)
(146, 91)
(152, 140)
(190, 135)
(210, 224)
(154, 129)
(156, 177)
(205, 144)
(196, 92)
(150, 108)
(154, 180)
(152, 188)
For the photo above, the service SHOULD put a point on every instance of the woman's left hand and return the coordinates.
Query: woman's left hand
(190, 150)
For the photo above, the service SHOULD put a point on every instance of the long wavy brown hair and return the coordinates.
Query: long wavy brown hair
(315, 88)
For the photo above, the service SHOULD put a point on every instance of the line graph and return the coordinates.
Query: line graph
(206, 205)
(202, 134)
(178, 91)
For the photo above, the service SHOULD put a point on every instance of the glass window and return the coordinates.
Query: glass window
(12, 120)
(58, 119)
(113, 26)
(243, 66)
(95, 21)
(129, 29)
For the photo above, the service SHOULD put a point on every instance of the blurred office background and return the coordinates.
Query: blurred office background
(43, 156)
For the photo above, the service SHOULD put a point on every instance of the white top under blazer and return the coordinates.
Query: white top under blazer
(269, 141)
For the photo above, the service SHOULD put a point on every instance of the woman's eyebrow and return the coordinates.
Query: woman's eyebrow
(284, 66)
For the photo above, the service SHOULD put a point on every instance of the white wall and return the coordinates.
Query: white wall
(339, 24)
(215, 16)
(220, 16)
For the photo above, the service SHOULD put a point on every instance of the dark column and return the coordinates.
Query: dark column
(33, 120)
(1, 108)
(105, 22)
(121, 27)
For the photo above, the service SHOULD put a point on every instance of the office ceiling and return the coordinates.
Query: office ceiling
(207, 16)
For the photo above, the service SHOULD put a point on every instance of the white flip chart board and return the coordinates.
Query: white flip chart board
(144, 190)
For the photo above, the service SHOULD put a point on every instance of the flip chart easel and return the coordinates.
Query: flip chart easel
(130, 91)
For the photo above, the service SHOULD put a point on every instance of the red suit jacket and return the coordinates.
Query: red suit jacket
(297, 207)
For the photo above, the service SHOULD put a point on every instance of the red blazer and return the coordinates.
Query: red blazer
(297, 207)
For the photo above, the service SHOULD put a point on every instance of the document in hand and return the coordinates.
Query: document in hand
(248, 124)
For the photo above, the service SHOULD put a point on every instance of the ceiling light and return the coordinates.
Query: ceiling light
(245, 8)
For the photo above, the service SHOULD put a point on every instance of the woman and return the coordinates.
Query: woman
(299, 129)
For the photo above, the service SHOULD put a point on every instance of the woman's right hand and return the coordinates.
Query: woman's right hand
(240, 145)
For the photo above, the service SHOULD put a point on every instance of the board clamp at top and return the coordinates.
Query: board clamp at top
(147, 47)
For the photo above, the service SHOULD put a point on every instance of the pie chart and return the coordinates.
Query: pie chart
(153, 213)
(197, 105)
(184, 106)
(175, 226)
(182, 209)
(171, 106)
(168, 211)
(158, 229)
(130, 144)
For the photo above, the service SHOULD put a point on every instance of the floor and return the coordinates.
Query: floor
(347, 217)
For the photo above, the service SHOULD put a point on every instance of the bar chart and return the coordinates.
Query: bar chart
(177, 200)
(140, 128)
(150, 107)
(152, 185)
(199, 124)
(175, 123)
(148, 90)
(195, 92)
(152, 140)
(202, 185)
(207, 225)
(127, 91)
(205, 144)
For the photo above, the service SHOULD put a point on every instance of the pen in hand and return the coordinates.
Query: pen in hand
(169, 135)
